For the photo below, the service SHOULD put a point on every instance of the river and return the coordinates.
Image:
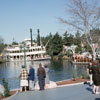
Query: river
(58, 71)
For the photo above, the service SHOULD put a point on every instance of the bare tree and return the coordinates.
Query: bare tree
(84, 16)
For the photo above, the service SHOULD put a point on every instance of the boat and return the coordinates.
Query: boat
(25, 50)
(79, 63)
(81, 59)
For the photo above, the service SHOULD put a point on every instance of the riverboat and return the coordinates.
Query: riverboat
(25, 50)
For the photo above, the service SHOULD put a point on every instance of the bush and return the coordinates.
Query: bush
(1, 95)
(55, 58)
(5, 84)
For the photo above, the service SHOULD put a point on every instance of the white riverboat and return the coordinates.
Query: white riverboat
(28, 50)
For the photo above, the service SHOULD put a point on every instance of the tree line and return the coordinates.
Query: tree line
(54, 42)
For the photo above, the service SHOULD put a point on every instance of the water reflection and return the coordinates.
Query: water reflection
(59, 70)
(79, 70)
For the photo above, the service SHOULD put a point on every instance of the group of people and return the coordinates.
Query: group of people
(94, 73)
(28, 79)
(81, 57)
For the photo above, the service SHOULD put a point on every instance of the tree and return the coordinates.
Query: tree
(2, 45)
(84, 16)
(78, 49)
(77, 35)
(5, 84)
(57, 44)
(77, 39)
(14, 43)
(68, 39)
(46, 40)
(65, 38)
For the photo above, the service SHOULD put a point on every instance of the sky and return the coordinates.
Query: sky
(18, 16)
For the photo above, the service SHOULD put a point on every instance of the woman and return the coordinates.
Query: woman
(47, 77)
(90, 73)
(96, 77)
(23, 78)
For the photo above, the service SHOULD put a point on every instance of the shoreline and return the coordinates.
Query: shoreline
(69, 82)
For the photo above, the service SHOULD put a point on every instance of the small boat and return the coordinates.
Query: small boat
(79, 63)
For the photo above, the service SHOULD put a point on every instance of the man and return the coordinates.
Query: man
(23, 78)
(96, 77)
(41, 76)
(31, 78)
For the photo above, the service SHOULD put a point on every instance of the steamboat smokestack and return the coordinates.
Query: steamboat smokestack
(31, 36)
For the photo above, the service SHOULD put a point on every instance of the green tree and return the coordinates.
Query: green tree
(78, 49)
(77, 39)
(65, 38)
(46, 40)
(68, 39)
(5, 84)
(57, 44)
(14, 43)
(2, 45)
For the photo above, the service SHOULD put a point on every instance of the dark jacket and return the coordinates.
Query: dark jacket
(41, 73)
(31, 74)
(96, 75)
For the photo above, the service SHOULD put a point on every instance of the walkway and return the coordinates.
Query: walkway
(76, 92)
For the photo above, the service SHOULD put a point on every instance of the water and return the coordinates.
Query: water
(58, 70)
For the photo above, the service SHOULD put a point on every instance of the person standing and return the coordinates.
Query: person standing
(96, 77)
(41, 76)
(47, 76)
(90, 73)
(23, 78)
(31, 78)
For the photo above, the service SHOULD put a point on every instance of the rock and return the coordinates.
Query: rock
(2, 89)
(52, 84)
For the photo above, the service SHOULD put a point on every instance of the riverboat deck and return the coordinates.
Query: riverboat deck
(79, 63)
